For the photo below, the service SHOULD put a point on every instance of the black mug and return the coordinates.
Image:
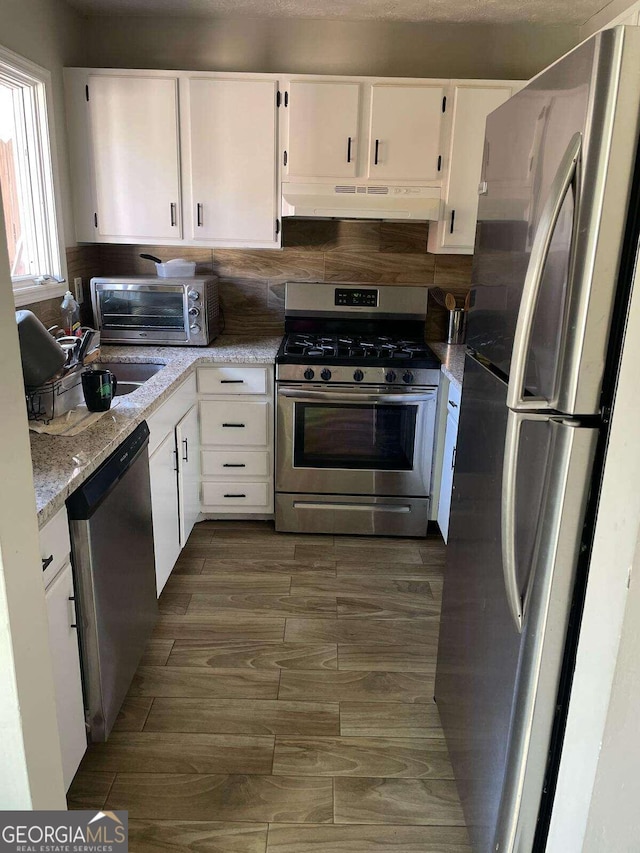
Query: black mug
(99, 388)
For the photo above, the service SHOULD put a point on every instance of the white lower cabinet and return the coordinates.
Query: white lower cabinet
(236, 431)
(448, 460)
(188, 446)
(163, 470)
(174, 467)
(65, 658)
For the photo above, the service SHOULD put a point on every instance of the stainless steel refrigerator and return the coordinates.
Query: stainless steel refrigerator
(552, 272)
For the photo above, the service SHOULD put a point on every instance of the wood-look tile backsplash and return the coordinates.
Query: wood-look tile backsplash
(252, 280)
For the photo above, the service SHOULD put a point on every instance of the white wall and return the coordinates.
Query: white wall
(51, 34)
(30, 761)
(327, 47)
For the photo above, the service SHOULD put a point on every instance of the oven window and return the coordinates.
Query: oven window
(351, 436)
(127, 309)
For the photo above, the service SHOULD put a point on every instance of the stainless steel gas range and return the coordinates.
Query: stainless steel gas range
(356, 410)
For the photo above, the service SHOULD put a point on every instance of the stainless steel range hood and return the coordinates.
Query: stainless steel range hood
(359, 200)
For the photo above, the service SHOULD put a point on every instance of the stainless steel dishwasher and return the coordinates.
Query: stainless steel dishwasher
(114, 572)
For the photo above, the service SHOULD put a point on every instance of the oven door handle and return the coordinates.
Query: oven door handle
(311, 396)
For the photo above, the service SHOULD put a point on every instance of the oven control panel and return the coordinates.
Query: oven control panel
(360, 298)
(356, 376)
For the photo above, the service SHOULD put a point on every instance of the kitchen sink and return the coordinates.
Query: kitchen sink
(130, 375)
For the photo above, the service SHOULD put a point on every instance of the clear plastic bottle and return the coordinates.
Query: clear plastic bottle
(70, 315)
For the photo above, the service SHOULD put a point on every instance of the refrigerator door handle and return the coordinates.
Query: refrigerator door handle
(533, 279)
(508, 514)
(548, 603)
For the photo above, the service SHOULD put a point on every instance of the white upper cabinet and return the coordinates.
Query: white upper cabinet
(472, 103)
(324, 119)
(230, 133)
(404, 140)
(135, 149)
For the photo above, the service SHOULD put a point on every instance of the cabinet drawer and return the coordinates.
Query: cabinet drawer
(232, 380)
(454, 396)
(164, 419)
(235, 463)
(231, 423)
(235, 495)
(55, 545)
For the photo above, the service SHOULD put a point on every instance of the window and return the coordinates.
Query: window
(27, 179)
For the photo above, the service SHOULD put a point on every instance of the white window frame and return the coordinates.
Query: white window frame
(44, 179)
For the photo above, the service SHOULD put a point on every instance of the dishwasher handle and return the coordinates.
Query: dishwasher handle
(86, 500)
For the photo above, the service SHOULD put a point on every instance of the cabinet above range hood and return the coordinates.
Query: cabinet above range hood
(360, 200)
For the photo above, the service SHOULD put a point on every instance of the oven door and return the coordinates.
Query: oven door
(152, 313)
(355, 441)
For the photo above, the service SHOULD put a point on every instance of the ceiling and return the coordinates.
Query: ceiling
(435, 11)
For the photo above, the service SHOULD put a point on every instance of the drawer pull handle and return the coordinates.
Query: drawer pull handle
(234, 465)
(235, 496)
(232, 381)
(46, 562)
(238, 426)
(451, 403)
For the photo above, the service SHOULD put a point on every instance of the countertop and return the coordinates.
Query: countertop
(60, 464)
(452, 358)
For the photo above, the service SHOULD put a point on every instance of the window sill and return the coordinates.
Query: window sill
(38, 293)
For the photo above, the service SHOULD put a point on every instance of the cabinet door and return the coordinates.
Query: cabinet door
(188, 443)
(446, 482)
(164, 504)
(232, 145)
(471, 108)
(134, 137)
(323, 129)
(405, 132)
(65, 657)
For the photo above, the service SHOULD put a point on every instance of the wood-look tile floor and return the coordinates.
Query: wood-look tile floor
(285, 702)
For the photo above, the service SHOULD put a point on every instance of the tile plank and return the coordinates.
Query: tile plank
(221, 584)
(402, 758)
(223, 797)
(89, 790)
(284, 838)
(256, 565)
(362, 584)
(157, 652)
(200, 682)
(405, 571)
(156, 752)
(133, 714)
(363, 555)
(397, 801)
(390, 719)
(244, 717)
(173, 603)
(255, 655)
(355, 686)
(359, 630)
(249, 604)
(391, 606)
(183, 836)
(215, 628)
(388, 658)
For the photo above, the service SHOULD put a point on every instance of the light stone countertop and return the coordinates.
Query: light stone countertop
(452, 358)
(61, 464)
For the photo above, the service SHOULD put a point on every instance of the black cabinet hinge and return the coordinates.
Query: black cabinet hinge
(284, 158)
(286, 99)
(86, 91)
(444, 104)
(277, 227)
(439, 162)
(95, 219)
(278, 99)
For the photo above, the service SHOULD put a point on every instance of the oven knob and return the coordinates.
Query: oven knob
(193, 295)
(326, 374)
(408, 377)
(309, 374)
(390, 376)
(194, 312)
(358, 376)
(195, 328)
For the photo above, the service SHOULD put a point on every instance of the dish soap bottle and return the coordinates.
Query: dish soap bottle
(70, 315)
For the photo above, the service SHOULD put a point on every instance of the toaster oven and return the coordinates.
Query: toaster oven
(152, 310)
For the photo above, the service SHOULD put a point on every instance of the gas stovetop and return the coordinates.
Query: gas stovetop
(355, 350)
